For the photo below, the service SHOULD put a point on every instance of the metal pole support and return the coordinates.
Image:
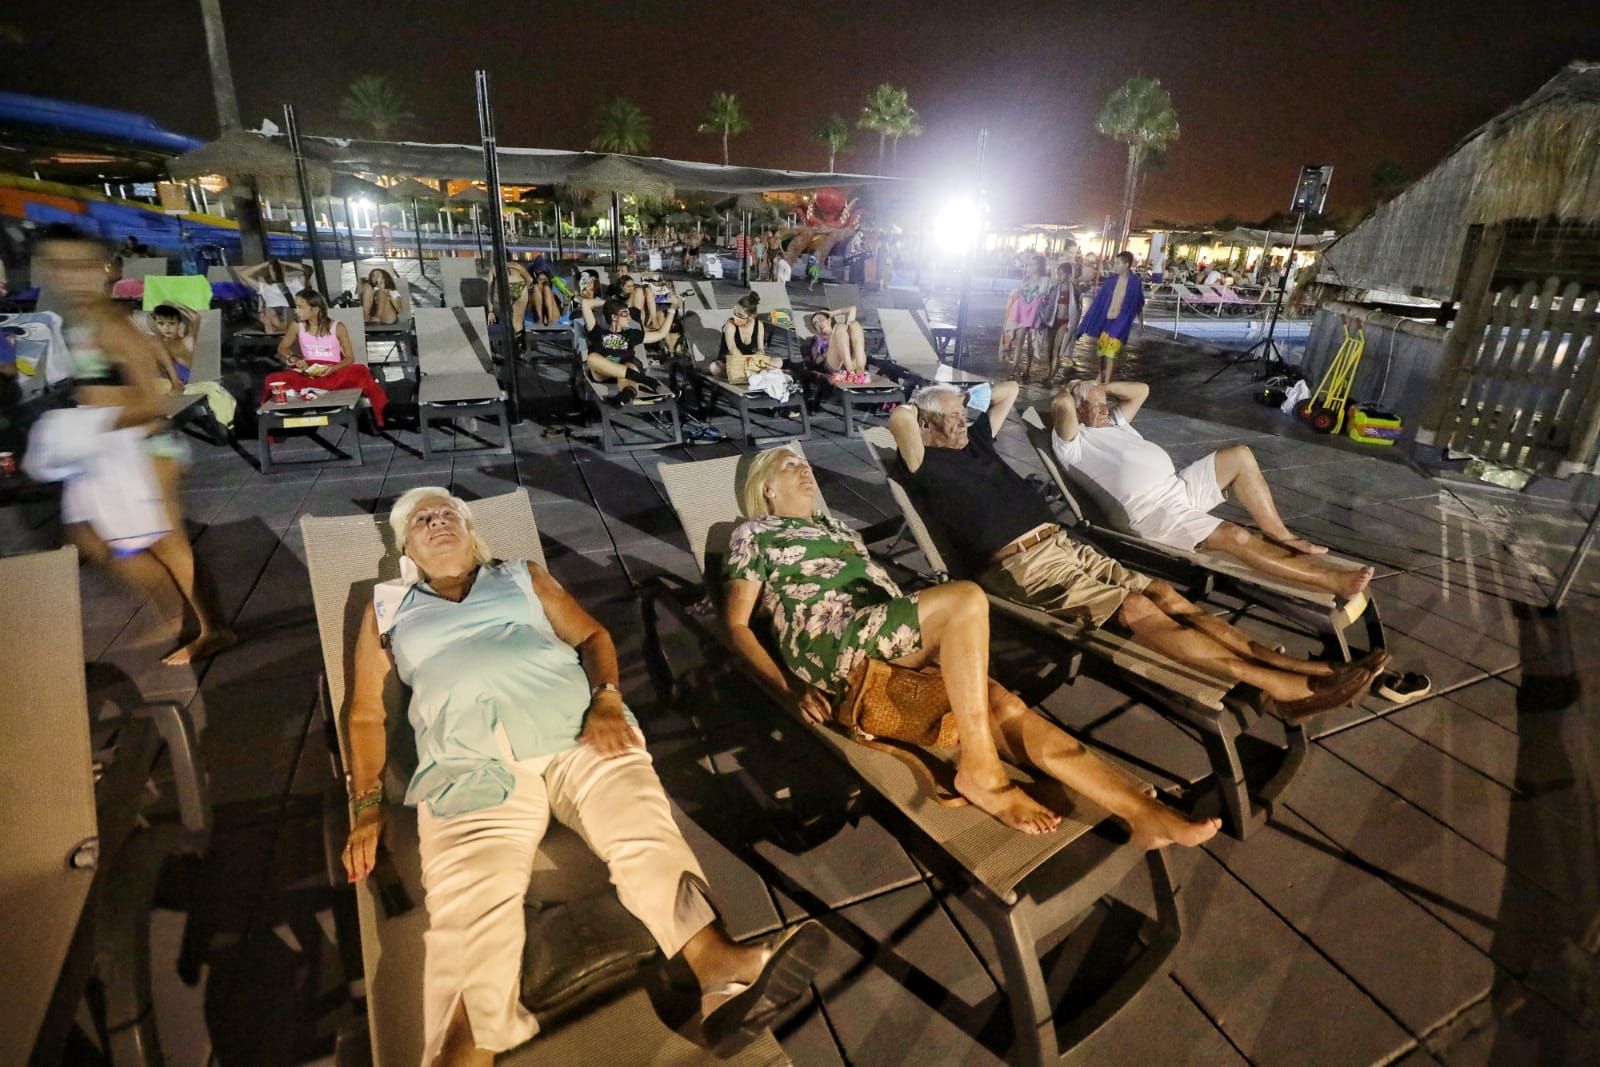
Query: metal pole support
(292, 128)
(497, 241)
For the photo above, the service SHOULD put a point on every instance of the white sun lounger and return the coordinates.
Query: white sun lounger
(345, 558)
(909, 348)
(1028, 890)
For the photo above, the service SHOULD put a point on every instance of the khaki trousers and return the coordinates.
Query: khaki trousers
(476, 867)
(1066, 578)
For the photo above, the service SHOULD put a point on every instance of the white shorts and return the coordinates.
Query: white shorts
(1178, 514)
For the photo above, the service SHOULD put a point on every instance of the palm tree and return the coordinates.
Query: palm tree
(620, 126)
(723, 116)
(1140, 115)
(881, 114)
(907, 123)
(375, 101)
(835, 133)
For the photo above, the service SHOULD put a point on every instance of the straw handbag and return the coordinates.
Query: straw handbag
(893, 708)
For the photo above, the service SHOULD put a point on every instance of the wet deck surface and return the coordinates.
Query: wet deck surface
(1430, 891)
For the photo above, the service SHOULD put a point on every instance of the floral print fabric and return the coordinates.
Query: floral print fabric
(831, 605)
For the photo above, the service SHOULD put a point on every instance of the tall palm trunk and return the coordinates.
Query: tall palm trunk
(724, 146)
(832, 152)
(882, 137)
(1130, 185)
(247, 208)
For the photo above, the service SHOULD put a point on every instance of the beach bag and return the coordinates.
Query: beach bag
(892, 708)
(740, 369)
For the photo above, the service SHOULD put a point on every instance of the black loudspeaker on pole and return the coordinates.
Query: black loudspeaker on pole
(497, 238)
(292, 129)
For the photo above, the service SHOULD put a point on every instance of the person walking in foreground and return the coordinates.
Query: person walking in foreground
(115, 367)
(1005, 535)
(518, 719)
(832, 608)
(1094, 433)
(1111, 315)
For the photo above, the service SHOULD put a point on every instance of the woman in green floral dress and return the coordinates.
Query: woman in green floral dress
(831, 607)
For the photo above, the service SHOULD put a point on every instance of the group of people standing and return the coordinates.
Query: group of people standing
(1044, 317)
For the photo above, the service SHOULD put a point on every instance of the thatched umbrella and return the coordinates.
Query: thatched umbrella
(413, 190)
(476, 198)
(251, 159)
(618, 176)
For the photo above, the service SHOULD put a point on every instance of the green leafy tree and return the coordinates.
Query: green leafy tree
(907, 123)
(723, 116)
(835, 133)
(375, 102)
(881, 114)
(621, 126)
(1140, 115)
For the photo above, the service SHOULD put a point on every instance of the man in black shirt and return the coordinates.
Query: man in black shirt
(1006, 538)
(613, 343)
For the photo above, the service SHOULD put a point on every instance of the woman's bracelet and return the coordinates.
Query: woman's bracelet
(367, 798)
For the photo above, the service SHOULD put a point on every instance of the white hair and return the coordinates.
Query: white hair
(400, 517)
(930, 397)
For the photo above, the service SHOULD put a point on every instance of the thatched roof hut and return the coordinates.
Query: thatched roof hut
(1537, 161)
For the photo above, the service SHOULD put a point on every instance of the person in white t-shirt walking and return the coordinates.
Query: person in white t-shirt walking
(1094, 434)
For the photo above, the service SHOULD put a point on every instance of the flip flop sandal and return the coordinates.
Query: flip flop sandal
(738, 1011)
(1403, 688)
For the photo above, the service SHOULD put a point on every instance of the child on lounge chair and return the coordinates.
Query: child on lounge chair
(176, 328)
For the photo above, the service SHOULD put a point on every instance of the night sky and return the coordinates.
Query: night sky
(1260, 87)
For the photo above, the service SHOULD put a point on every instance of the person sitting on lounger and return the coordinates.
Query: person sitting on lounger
(276, 283)
(318, 354)
(518, 718)
(1094, 433)
(837, 345)
(832, 608)
(614, 342)
(543, 302)
(380, 298)
(176, 328)
(1004, 533)
(744, 343)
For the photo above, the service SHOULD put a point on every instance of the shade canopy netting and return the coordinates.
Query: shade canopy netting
(544, 166)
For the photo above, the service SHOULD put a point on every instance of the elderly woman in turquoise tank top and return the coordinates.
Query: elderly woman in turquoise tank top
(518, 718)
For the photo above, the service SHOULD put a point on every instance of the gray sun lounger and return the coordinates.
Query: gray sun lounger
(144, 266)
(78, 861)
(910, 348)
(634, 427)
(453, 270)
(573, 902)
(1327, 615)
(702, 334)
(454, 366)
(698, 296)
(1028, 890)
(1217, 711)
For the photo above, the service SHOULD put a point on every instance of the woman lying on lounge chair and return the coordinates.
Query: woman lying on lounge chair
(832, 607)
(837, 345)
(380, 298)
(517, 715)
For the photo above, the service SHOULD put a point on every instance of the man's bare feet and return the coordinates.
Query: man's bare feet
(1008, 803)
(1352, 582)
(209, 643)
(1160, 826)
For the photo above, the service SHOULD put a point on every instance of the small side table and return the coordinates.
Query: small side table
(336, 408)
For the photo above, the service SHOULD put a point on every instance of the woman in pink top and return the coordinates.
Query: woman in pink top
(318, 353)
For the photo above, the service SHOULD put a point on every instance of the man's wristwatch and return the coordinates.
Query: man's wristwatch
(603, 687)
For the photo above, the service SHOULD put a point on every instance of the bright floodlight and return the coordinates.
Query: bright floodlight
(958, 223)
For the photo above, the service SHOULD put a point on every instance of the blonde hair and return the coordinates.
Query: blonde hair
(762, 468)
(400, 518)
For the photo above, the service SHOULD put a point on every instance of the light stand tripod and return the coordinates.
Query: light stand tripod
(1269, 349)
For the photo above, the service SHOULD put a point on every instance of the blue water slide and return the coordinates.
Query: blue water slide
(21, 109)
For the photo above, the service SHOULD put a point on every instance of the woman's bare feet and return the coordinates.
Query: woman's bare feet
(1007, 802)
(1159, 826)
(209, 643)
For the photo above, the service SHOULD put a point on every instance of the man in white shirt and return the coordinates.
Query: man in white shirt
(782, 271)
(1094, 435)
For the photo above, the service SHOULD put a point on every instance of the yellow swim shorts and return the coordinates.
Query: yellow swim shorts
(1108, 346)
